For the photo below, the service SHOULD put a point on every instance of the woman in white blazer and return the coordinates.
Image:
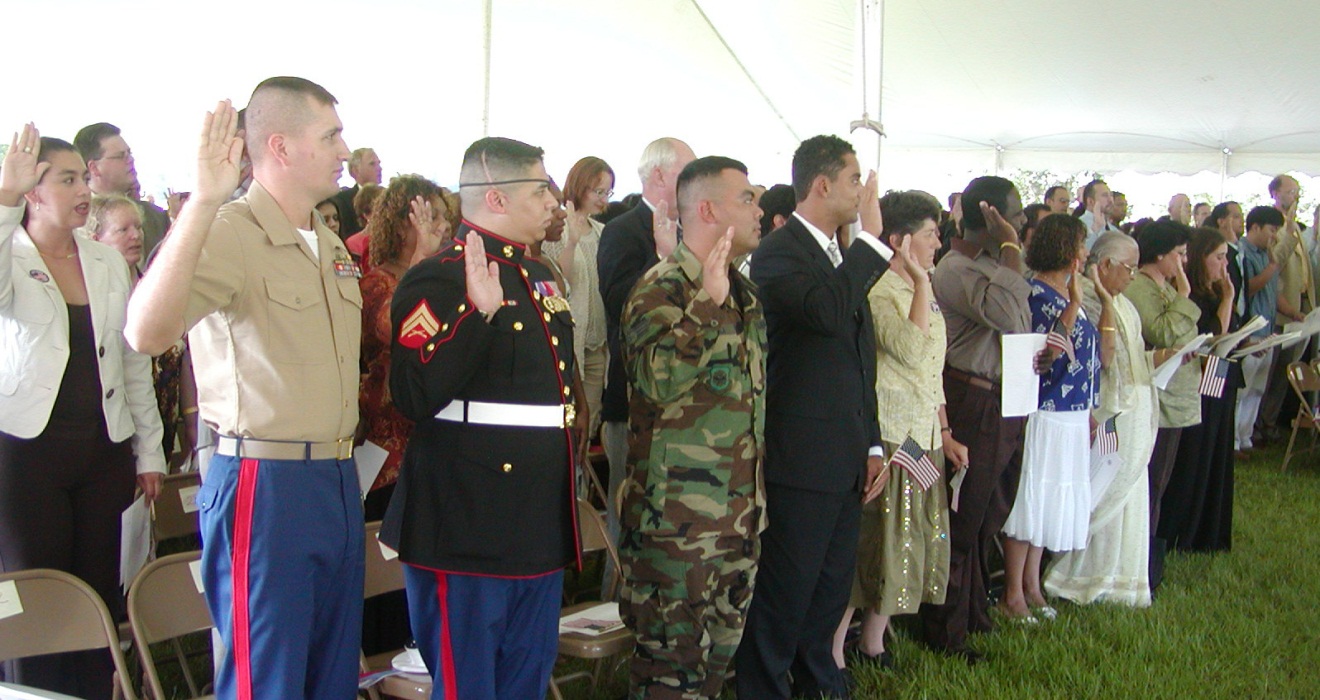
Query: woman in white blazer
(78, 416)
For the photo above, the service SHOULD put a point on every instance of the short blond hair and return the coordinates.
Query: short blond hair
(102, 205)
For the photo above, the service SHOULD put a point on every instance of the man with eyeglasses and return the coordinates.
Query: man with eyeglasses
(484, 512)
(112, 170)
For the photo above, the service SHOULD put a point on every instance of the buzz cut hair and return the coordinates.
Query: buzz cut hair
(279, 105)
(491, 160)
(695, 174)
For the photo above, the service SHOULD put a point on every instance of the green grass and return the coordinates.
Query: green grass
(1241, 624)
(1236, 625)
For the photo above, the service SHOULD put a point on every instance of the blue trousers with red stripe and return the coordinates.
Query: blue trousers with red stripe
(282, 563)
(483, 637)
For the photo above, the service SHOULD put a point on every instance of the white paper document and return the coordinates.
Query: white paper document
(370, 457)
(1267, 343)
(188, 498)
(134, 540)
(1225, 344)
(593, 621)
(1020, 385)
(195, 568)
(1306, 327)
(10, 605)
(955, 487)
(1164, 373)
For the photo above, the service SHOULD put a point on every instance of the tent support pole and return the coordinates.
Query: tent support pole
(485, 48)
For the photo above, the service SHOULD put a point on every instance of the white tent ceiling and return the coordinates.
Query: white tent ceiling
(1064, 85)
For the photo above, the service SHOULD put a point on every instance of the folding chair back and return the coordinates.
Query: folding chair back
(595, 537)
(60, 613)
(166, 602)
(1304, 380)
(176, 507)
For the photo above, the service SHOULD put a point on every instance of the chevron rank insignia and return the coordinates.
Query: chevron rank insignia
(418, 327)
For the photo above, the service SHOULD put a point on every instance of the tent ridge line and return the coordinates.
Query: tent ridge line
(746, 73)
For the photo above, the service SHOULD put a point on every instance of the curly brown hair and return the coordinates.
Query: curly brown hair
(1054, 244)
(389, 224)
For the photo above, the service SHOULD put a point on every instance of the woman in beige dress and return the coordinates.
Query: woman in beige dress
(903, 553)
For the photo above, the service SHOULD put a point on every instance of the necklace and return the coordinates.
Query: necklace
(70, 256)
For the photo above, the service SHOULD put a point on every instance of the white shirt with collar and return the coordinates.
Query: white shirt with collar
(824, 241)
(885, 251)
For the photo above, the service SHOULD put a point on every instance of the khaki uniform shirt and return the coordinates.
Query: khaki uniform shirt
(275, 332)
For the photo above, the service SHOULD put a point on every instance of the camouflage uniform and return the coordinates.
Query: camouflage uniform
(694, 498)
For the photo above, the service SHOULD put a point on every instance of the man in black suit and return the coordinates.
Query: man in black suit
(823, 452)
(629, 245)
(364, 168)
(1227, 218)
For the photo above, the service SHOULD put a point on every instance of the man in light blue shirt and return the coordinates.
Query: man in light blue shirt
(1260, 275)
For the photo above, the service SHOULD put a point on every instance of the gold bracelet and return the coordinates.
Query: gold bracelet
(188, 411)
(1009, 244)
(1109, 328)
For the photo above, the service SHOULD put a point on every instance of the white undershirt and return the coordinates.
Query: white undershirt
(310, 237)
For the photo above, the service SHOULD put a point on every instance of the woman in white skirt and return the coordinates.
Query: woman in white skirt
(1053, 504)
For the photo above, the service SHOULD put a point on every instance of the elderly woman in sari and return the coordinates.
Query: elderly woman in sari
(1114, 565)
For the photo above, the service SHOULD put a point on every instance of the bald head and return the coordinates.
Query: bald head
(283, 105)
(1180, 209)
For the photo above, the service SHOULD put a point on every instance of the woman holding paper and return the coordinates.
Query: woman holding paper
(78, 416)
(1197, 509)
(1053, 505)
(1168, 321)
(1114, 566)
(903, 551)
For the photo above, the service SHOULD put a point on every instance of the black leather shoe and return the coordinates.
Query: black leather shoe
(971, 656)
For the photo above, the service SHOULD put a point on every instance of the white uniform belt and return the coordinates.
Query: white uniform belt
(253, 448)
(511, 414)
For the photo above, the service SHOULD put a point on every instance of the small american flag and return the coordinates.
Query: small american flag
(1214, 376)
(916, 463)
(1058, 339)
(1106, 437)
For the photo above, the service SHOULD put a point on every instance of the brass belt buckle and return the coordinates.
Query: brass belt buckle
(570, 414)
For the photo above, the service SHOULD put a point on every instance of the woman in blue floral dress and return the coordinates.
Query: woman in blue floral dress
(1053, 504)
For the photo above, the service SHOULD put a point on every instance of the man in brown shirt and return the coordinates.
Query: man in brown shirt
(272, 301)
(980, 289)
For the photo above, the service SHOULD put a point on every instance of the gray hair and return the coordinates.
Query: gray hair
(660, 153)
(1109, 246)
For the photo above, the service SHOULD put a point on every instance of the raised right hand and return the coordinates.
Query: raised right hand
(910, 263)
(666, 231)
(872, 221)
(20, 172)
(577, 226)
(715, 271)
(1100, 291)
(483, 279)
(997, 226)
(219, 155)
(427, 225)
